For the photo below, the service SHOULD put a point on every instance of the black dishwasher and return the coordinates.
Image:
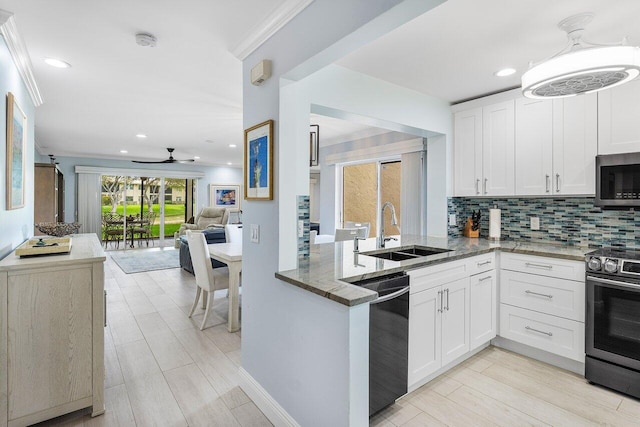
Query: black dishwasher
(388, 339)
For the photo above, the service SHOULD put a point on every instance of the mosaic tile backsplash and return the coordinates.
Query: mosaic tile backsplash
(574, 220)
(303, 209)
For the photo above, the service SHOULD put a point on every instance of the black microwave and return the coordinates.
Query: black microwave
(618, 181)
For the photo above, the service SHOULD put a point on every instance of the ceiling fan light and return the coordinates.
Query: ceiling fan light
(582, 71)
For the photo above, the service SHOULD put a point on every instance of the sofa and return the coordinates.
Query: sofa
(206, 218)
(212, 235)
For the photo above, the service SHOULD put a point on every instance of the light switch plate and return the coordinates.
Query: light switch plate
(300, 228)
(452, 219)
(255, 233)
(535, 223)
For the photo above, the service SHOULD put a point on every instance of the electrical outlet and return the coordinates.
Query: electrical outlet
(255, 233)
(452, 219)
(535, 223)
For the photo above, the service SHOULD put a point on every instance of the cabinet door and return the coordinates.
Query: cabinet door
(534, 143)
(498, 145)
(483, 308)
(424, 334)
(50, 339)
(618, 124)
(575, 144)
(468, 152)
(455, 320)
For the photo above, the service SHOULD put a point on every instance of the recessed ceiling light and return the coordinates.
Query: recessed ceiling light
(232, 145)
(229, 163)
(141, 135)
(58, 63)
(505, 72)
(124, 151)
(196, 157)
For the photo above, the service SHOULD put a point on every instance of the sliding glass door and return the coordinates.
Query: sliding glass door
(365, 188)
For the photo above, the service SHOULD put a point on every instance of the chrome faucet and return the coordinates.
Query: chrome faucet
(394, 221)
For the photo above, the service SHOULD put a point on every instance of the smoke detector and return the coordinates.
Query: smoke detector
(581, 67)
(146, 40)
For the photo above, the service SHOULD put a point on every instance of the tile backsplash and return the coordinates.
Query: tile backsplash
(571, 220)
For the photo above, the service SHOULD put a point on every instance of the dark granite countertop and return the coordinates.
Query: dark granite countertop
(332, 266)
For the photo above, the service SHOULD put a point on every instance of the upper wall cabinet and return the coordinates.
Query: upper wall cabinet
(556, 146)
(618, 119)
(483, 150)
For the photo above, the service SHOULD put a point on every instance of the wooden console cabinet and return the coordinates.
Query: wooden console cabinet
(51, 334)
(48, 194)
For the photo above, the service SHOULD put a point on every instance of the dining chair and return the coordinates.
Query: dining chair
(354, 224)
(208, 280)
(343, 234)
(233, 233)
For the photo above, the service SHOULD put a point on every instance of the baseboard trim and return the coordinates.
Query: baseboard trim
(263, 400)
(541, 355)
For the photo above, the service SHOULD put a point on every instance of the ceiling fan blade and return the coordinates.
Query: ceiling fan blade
(153, 162)
(185, 161)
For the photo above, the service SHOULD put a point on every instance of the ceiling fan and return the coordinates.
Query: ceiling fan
(169, 160)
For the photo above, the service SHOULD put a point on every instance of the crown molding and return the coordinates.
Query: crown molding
(20, 55)
(269, 26)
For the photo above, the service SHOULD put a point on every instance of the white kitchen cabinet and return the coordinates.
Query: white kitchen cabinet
(542, 303)
(618, 124)
(455, 320)
(575, 144)
(484, 150)
(468, 152)
(424, 334)
(534, 147)
(556, 144)
(498, 145)
(482, 306)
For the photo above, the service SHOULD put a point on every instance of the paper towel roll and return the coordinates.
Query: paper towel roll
(494, 224)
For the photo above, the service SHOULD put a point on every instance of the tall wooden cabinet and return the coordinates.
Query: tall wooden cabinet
(51, 334)
(48, 193)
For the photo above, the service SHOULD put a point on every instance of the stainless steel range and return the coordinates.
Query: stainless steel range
(613, 319)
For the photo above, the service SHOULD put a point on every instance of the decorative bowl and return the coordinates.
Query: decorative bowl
(58, 229)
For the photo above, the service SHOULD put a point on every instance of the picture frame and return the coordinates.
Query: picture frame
(225, 196)
(258, 162)
(16, 147)
(314, 145)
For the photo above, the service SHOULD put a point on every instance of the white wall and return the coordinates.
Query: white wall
(277, 353)
(16, 225)
(213, 175)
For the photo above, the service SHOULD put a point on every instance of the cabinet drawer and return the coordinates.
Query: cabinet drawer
(549, 295)
(544, 266)
(482, 263)
(437, 275)
(550, 333)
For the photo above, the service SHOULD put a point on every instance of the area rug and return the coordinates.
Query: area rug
(137, 261)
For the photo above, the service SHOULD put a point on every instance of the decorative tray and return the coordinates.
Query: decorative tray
(44, 246)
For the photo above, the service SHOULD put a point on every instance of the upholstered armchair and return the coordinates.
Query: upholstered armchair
(207, 218)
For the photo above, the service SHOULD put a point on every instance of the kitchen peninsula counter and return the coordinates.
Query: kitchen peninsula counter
(331, 268)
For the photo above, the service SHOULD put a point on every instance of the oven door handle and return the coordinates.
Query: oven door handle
(614, 282)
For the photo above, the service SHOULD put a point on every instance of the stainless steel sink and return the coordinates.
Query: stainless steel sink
(402, 254)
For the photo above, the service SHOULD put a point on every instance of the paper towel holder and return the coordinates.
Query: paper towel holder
(494, 235)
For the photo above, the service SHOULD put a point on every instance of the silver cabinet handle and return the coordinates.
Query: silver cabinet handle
(537, 294)
(485, 185)
(484, 278)
(105, 309)
(440, 296)
(557, 183)
(480, 264)
(546, 183)
(447, 299)
(528, 328)
(478, 186)
(534, 265)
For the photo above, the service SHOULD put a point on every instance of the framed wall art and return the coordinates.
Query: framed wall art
(258, 162)
(225, 196)
(16, 146)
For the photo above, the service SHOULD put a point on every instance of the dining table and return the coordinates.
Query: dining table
(230, 254)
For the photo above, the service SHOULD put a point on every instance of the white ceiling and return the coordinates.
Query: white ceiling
(452, 51)
(188, 89)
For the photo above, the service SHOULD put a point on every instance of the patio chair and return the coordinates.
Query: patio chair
(112, 228)
(143, 230)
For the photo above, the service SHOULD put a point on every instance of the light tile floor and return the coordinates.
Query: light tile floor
(161, 370)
